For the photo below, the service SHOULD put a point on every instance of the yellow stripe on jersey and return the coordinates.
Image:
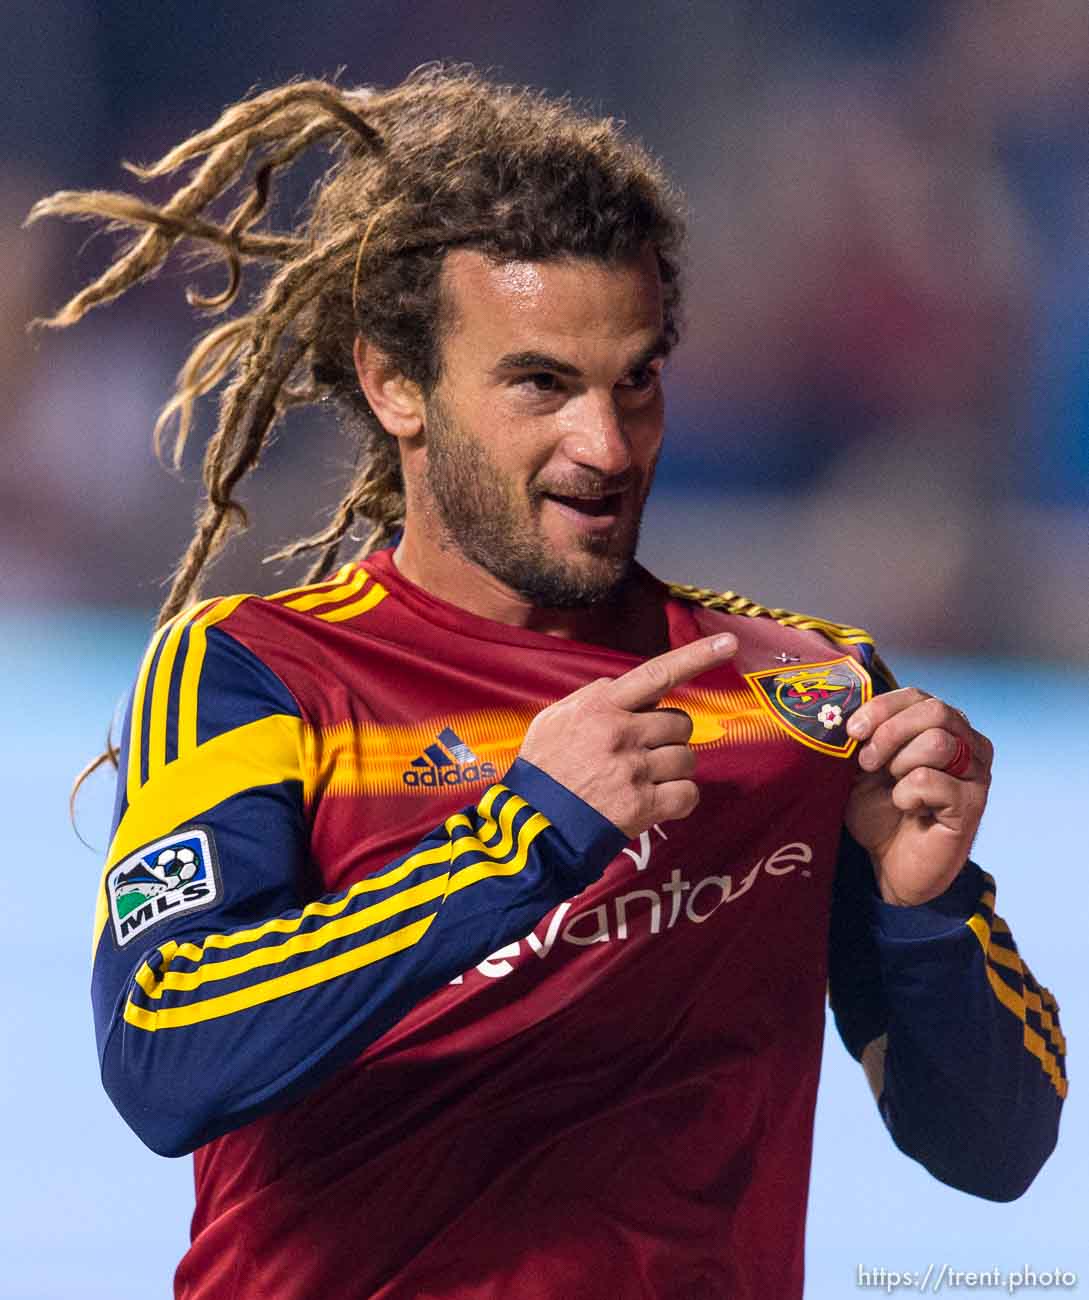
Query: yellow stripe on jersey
(310, 941)
(136, 721)
(1036, 999)
(337, 578)
(424, 858)
(158, 682)
(164, 672)
(1003, 957)
(283, 985)
(289, 925)
(1054, 1033)
(191, 670)
(315, 599)
(731, 603)
(376, 593)
(505, 827)
(137, 739)
(478, 871)
(157, 670)
(504, 857)
(266, 752)
(1033, 1042)
(983, 925)
(381, 911)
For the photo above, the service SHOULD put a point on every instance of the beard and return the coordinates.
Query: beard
(496, 526)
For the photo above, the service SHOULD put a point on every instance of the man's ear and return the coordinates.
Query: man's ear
(395, 400)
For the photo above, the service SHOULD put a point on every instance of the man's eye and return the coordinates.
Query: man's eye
(542, 382)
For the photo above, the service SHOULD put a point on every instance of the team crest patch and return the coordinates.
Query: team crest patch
(814, 701)
(174, 875)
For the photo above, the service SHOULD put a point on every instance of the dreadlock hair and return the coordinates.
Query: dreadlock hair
(446, 159)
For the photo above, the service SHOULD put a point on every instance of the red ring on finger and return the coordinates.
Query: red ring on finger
(961, 760)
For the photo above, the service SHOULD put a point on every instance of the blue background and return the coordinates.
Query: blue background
(86, 1211)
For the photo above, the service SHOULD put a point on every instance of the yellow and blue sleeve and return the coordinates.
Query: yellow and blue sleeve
(974, 1059)
(222, 986)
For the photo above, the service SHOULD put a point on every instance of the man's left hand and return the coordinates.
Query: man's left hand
(914, 817)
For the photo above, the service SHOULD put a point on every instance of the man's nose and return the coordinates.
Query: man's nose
(596, 436)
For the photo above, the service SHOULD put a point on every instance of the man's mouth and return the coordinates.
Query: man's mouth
(594, 507)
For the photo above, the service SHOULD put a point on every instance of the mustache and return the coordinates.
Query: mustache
(587, 485)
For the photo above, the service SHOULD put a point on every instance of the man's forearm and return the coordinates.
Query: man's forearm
(214, 1028)
(960, 1044)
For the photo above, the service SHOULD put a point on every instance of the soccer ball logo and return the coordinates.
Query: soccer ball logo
(174, 866)
(167, 878)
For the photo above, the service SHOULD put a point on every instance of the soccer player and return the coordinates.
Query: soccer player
(470, 910)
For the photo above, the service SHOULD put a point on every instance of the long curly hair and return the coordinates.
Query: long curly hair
(447, 159)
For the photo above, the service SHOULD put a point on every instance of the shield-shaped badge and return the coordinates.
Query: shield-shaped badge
(813, 701)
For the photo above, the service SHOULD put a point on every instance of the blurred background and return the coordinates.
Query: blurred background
(880, 414)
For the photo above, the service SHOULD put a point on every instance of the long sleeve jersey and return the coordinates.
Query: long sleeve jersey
(433, 1026)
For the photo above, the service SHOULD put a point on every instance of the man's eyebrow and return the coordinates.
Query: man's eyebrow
(542, 361)
(535, 361)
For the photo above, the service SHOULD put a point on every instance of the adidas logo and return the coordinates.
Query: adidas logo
(448, 762)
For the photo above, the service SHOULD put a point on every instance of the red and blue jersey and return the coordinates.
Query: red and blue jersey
(433, 1026)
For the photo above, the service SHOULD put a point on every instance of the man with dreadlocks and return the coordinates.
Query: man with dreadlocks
(470, 910)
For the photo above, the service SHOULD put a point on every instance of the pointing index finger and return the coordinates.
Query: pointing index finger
(643, 686)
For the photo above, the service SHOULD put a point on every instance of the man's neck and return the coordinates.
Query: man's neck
(631, 619)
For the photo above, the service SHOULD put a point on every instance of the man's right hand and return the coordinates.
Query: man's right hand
(609, 744)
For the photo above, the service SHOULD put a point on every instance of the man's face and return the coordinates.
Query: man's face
(543, 431)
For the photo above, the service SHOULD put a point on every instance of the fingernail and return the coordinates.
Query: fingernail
(857, 727)
(726, 641)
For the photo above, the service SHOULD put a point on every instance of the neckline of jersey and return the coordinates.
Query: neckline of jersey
(680, 615)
